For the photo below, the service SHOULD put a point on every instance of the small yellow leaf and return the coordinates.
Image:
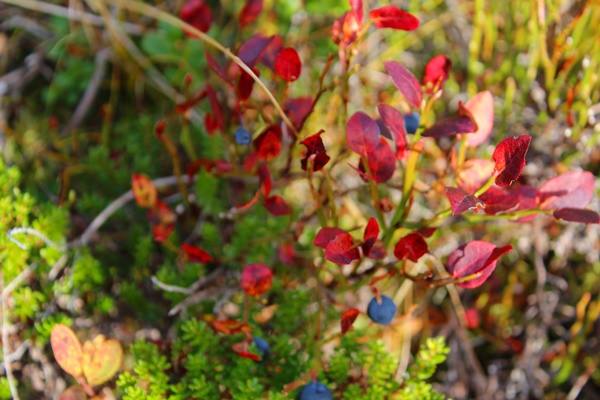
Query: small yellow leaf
(266, 314)
(101, 359)
(67, 349)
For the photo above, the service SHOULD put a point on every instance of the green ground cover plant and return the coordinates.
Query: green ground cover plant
(299, 199)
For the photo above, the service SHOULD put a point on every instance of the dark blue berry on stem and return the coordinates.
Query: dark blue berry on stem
(411, 122)
(315, 391)
(382, 311)
(262, 346)
(242, 136)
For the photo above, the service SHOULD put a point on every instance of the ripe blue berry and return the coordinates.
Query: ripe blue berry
(242, 136)
(262, 346)
(382, 312)
(411, 122)
(315, 391)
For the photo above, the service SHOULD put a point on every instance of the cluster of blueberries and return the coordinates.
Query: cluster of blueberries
(411, 123)
(380, 311)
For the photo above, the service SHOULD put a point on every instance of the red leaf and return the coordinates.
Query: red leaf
(267, 57)
(230, 326)
(426, 232)
(573, 189)
(394, 121)
(298, 110)
(472, 319)
(161, 213)
(381, 161)
(326, 235)
(241, 350)
(286, 253)
(196, 13)
(159, 128)
(250, 12)
(277, 206)
(287, 64)
(527, 199)
(406, 83)
(476, 257)
(362, 133)
(143, 189)
(577, 215)
(264, 177)
(316, 149)
(436, 72)
(222, 166)
(256, 279)
(213, 121)
(161, 232)
(481, 107)
(497, 199)
(461, 123)
(411, 247)
(217, 69)
(460, 201)
(341, 249)
(245, 84)
(268, 143)
(370, 235)
(357, 9)
(252, 49)
(162, 219)
(345, 29)
(196, 254)
(348, 318)
(183, 107)
(509, 156)
(245, 354)
(395, 18)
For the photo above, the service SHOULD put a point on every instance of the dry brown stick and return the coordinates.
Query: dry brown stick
(580, 382)
(155, 76)
(16, 79)
(198, 294)
(479, 377)
(74, 15)
(159, 15)
(5, 346)
(87, 100)
(113, 207)
(8, 289)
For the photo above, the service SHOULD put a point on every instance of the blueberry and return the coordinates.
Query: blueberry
(411, 122)
(381, 312)
(262, 346)
(315, 391)
(242, 136)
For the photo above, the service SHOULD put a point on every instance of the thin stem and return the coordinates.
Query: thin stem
(314, 193)
(486, 185)
(462, 152)
(5, 346)
(70, 14)
(156, 13)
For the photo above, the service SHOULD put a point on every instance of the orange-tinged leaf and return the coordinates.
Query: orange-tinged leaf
(102, 359)
(67, 349)
(143, 190)
(265, 315)
(230, 327)
(348, 318)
